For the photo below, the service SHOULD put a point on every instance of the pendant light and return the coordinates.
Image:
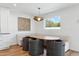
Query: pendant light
(38, 18)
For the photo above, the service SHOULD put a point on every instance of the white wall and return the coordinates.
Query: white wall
(69, 27)
(13, 22)
(9, 20)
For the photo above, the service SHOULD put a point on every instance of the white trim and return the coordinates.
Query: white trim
(52, 28)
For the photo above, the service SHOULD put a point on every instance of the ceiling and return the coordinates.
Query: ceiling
(31, 8)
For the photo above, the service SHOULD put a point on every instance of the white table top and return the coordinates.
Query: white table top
(45, 37)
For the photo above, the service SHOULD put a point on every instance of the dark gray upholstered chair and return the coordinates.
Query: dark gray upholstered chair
(33, 45)
(25, 43)
(55, 48)
(36, 46)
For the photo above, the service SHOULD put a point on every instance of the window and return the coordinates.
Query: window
(52, 23)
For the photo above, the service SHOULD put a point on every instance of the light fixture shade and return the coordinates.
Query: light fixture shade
(38, 18)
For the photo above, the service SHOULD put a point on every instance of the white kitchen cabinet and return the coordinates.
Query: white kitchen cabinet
(4, 44)
(6, 40)
(4, 17)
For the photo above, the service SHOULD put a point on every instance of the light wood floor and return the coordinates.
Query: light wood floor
(74, 53)
(17, 51)
(14, 51)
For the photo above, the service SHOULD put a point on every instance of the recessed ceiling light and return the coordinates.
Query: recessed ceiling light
(14, 5)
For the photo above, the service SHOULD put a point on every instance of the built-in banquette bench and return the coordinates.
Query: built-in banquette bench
(36, 44)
